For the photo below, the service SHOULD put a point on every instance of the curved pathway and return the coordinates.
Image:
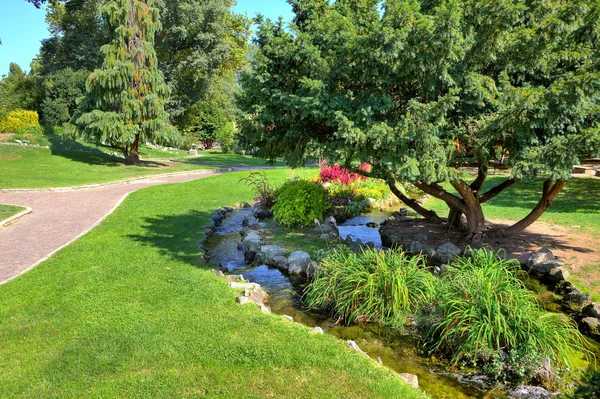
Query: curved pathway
(61, 216)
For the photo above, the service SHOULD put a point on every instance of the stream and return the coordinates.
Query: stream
(398, 352)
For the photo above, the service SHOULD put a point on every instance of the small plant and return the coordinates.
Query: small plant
(485, 315)
(372, 286)
(589, 388)
(263, 192)
(299, 203)
(339, 175)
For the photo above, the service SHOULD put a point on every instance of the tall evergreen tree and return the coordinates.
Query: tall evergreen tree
(126, 96)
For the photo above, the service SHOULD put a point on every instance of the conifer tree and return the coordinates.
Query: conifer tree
(126, 96)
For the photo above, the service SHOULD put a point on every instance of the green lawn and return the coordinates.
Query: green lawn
(7, 211)
(30, 167)
(578, 204)
(129, 310)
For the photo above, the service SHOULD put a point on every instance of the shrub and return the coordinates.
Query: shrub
(299, 203)
(485, 315)
(264, 194)
(372, 286)
(337, 174)
(19, 119)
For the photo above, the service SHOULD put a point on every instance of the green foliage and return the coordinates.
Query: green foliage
(589, 388)
(18, 90)
(412, 86)
(483, 314)
(125, 98)
(299, 203)
(60, 93)
(18, 119)
(372, 286)
(203, 122)
(226, 136)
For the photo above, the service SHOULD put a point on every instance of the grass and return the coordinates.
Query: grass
(371, 286)
(485, 315)
(130, 310)
(30, 167)
(7, 211)
(578, 204)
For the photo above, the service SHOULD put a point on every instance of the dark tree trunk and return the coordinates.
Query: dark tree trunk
(550, 191)
(455, 218)
(132, 156)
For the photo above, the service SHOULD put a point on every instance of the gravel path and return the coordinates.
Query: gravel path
(60, 217)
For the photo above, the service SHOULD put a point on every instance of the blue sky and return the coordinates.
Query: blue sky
(22, 27)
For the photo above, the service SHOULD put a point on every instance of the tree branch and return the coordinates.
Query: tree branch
(437, 191)
(491, 193)
(414, 205)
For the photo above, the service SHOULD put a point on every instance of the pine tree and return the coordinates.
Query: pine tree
(126, 96)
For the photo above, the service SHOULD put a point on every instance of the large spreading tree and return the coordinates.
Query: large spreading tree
(417, 87)
(126, 96)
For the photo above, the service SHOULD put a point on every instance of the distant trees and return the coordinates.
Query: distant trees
(125, 98)
(415, 88)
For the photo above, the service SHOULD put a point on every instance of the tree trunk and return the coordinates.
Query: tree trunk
(471, 207)
(550, 191)
(455, 218)
(132, 157)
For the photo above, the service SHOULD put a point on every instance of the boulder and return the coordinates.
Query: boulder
(531, 392)
(421, 237)
(289, 318)
(280, 262)
(298, 262)
(576, 299)
(235, 278)
(446, 252)
(317, 330)
(251, 241)
(410, 379)
(591, 325)
(558, 274)
(257, 295)
(415, 247)
(542, 255)
(271, 251)
(262, 213)
(242, 300)
(217, 273)
(592, 310)
(243, 286)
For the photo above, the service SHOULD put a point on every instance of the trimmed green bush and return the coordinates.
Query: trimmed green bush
(299, 203)
(484, 315)
(18, 119)
(372, 286)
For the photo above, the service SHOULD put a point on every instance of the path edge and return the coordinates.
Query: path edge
(14, 218)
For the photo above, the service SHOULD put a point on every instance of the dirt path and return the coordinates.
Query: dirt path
(60, 217)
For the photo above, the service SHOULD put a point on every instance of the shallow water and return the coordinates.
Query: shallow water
(398, 352)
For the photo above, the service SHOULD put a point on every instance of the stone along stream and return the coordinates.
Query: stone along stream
(398, 352)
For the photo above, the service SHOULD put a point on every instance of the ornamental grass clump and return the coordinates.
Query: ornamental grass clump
(484, 315)
(371, 286)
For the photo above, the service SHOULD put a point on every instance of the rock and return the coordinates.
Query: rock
(354, 346)
(559, 274)
(542, 255)
(445, 253)
(243, 286)
(415, 247)
(410, 379)
(311, 269)
(317, 330)
(228, 209)
(379, 360)
(298, 262)
(592, 310)
(19, 142)
(530, 392)
(420, 237)
(251, 256)
(242, 300)
(577, 299)
(271, 251)
(257, 295)
(265, 309)
(402, 213)
(262, 213)
(327, 227)
(372, 224)
(235, 278)
(217, 273)
(280, 262)
(251, 241)
(289, 318)
(591, 325)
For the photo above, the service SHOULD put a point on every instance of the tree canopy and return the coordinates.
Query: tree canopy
(416, 88)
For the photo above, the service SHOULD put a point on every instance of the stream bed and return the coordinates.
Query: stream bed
(398, 352)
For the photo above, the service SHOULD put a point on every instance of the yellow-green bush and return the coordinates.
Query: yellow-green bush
(19, 119)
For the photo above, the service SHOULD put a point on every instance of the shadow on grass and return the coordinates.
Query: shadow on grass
(219, 158)
(76, 151)
(578, 196)
(176, 236)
